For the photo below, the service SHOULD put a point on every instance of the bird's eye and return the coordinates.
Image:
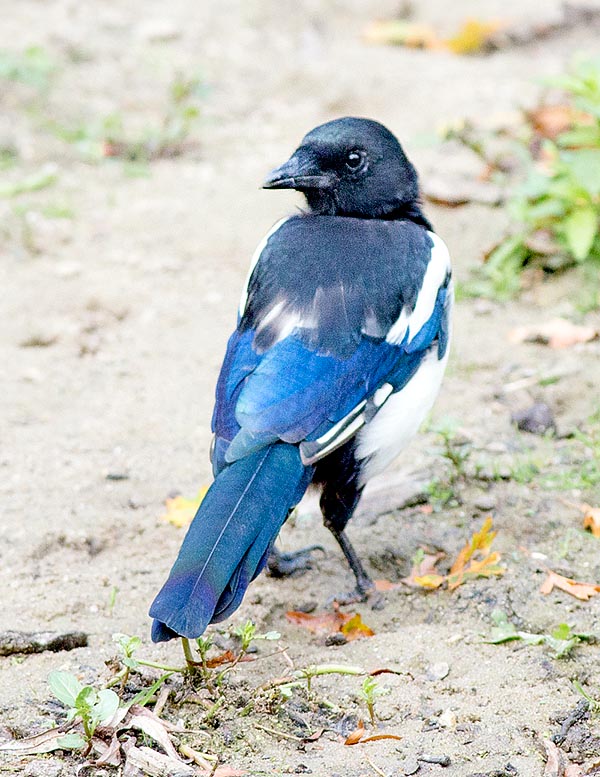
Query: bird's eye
(354, 159)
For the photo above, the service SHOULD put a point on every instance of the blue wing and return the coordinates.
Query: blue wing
(295, 372)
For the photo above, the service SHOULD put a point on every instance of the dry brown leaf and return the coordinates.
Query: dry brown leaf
(582, 591)
(473, 36)
(180, 510)
(320, 623)
(377, 737)
(355, 736)
(591, 519)
(356, 629)
(557, 333)
(351, 626)
(225, 658)
(385, 585)
(591, 516)
(396, 32)
(549, 121)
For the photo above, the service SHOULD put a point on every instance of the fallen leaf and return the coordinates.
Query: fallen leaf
(325, 623)
(424, 574)
(356, 629)
(44, 742)
(396, 32)
(474, 36)
(181, 511)
(550, 121)
(582, 591)
(375, 672)
(320, 623)
(591, 519)
(557, 333)
(377, 737)
(485, 566)
(385, 585)
(225, 658)
(556, 760)
(156, 728)
(355, 736)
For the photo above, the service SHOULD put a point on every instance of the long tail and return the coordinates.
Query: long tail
(228, 541)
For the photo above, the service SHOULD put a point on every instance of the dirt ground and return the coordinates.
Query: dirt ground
(113, 322)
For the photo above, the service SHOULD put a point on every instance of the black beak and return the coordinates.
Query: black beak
(299, 172)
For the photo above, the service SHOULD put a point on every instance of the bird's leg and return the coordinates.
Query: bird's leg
(295, 563)
(339, 475)
(364, 585)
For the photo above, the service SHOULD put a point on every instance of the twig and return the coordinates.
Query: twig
(163, 697)
(279, 733)
(376, 769)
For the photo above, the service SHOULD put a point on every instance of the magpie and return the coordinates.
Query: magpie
(338, 355)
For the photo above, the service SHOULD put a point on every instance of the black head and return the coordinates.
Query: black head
(351, 167)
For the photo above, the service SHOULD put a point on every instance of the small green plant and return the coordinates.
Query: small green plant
(593, 704)
(369, 692)
(84, 703)
(127, 659)
(561, 641)
(456, 451)
(557, 207)
(111, 136)
(33, 67)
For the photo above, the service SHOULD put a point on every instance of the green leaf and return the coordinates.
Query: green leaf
(580, 229)
(584, 166)
(71, 742)
(65, 686)
(106, 706)
(269, 635)
(562, 631)
(86, 697)
(580, 136)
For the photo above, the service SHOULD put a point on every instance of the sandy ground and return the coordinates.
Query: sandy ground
(135, 295)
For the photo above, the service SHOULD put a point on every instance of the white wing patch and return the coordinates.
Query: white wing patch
(282, 321)
(435, 275)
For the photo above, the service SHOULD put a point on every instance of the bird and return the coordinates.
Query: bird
(340, 347)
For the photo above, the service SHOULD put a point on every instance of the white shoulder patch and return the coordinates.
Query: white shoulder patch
(435, 275)
(254, 261)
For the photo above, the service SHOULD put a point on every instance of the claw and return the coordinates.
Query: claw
(296, 563)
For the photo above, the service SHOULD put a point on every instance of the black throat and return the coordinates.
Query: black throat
(323, 202)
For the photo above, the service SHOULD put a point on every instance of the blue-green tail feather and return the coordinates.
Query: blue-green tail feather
(229, 540)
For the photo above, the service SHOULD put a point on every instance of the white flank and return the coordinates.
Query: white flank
(438, 266)
(254, 261)
(399, 419)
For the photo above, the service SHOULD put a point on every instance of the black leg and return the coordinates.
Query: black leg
(339, 476)
(364, 584)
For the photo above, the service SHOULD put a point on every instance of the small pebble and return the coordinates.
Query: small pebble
(447, 719)
(309, 606)
(336, 639)
(484, 502)
(537, 419)
(437, 671)
(442, 760)
(409, 766)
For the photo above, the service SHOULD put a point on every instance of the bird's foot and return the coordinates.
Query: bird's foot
(365, 591)
(287, 564)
